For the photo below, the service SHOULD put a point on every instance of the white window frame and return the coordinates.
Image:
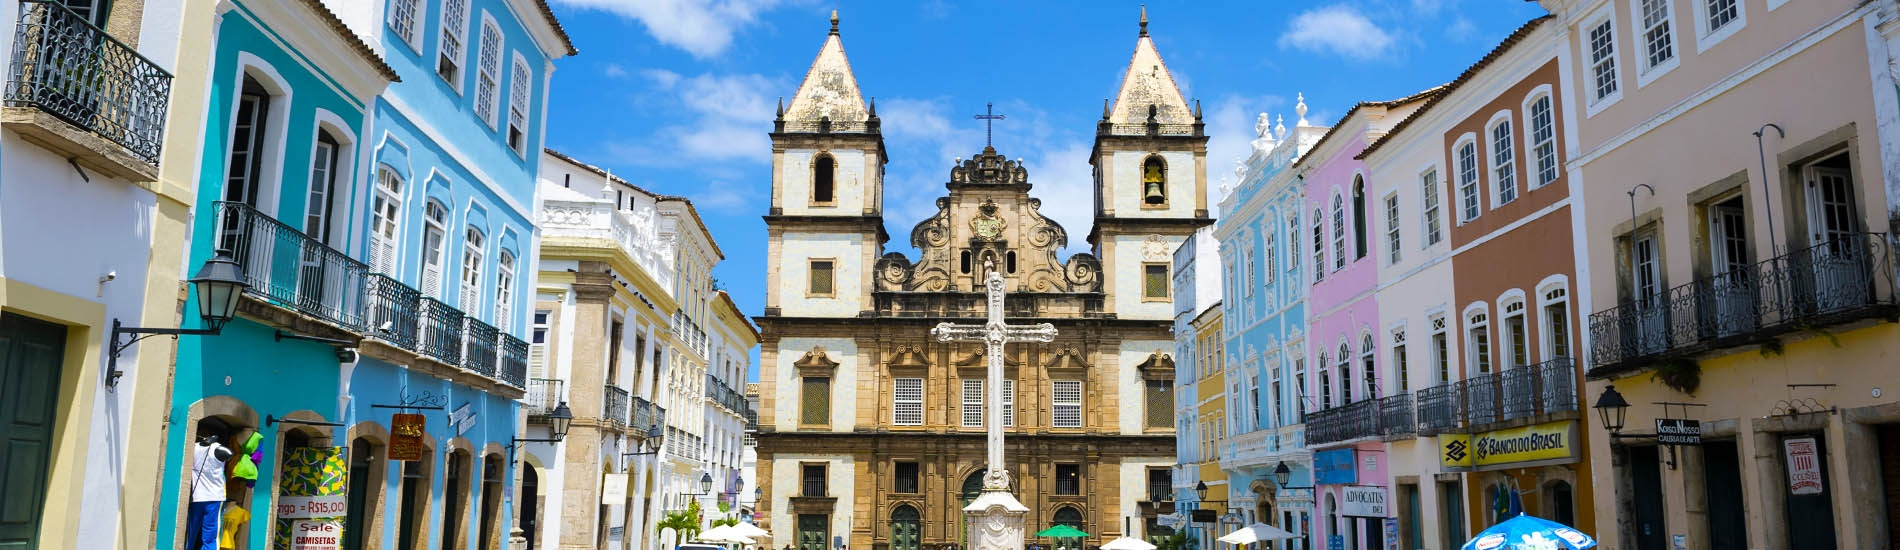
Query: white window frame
(1441, 327)
(1319, 244)
(417, 12)
(474, 253)
(1059, 404)
(907, 401)
(1394, 242)
(488, 71)
(1368, 365)
(1646, 70)
(1501, 162)
(1342, 361)
(439, 256)
(1705, 38)
(459, 57)
(1431, 207)
(1512, 304)
(1596, 102)
(1339, 231)
(1537, 165)
(505, 264)
(385, 222)
(1269, 259)
(1554, 290)
(1293, 237)
(520, 103)
(1325, 383)
(1470, 177)
(1478, 359)
(1301, 399)
(1247, 290)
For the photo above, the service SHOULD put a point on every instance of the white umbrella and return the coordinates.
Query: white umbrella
(724, 533)
(1256, 533)
(1125, 543)
(750, 530)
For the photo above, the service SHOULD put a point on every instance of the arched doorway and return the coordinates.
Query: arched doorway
(906, 528)
(529, 497)
(1072, 517)
(1559, 503)
(367, 479)
(488, 530)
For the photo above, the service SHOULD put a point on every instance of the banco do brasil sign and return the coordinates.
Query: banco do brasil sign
(1541, 442)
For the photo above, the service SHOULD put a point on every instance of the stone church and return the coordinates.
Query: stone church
(870, 432)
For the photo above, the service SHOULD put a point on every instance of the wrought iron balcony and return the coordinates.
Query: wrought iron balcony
(478, 347)
(513, 369)
(1395, 416)
(542, 396)
(393, 311)
(645, 422)
(441, 336)
(1843, 280)
(614, 402)
(1487, 400)
(1441, 409)
(290, 270)
(720, 393)
(66, 67)
(1351, 421)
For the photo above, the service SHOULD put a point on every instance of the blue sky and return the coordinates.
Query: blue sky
(678, 95)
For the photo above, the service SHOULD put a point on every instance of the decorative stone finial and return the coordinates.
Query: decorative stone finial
(1279, 126)
(1300, 109)
(834, 22)
(1144, 20)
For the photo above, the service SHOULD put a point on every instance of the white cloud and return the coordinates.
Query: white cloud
(718, 118)
(1340, 30)
(662, 78)
(1460, 30)
(703, 28)
(1066, 184)
(1230, 132)
(614, 71)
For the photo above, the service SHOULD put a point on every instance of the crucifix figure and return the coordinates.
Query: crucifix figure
(989, 118)
(994, 334)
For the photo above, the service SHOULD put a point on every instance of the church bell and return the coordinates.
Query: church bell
(1154, 195)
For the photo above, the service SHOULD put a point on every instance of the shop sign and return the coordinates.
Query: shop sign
(405, 436)
(1362, 501)
(614, 490)
(1804, 468)
(1169, 520)
(1548, 441)
(462, 419)
(1678, 431)
(1202, 515)
(1334, 467)
(306, 507)
(316, 535)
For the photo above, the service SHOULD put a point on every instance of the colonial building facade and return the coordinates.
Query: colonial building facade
(870, 431)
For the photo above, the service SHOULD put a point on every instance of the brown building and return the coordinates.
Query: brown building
(870, 432)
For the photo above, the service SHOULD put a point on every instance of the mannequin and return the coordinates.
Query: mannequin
(207, 493)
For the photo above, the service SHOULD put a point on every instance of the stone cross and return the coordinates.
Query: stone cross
(994, 334)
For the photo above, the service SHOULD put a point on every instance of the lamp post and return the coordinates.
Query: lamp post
(219, 284)
(558, 422)
(1612, 409)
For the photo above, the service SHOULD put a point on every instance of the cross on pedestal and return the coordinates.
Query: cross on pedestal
(994, 334)
(989, 118)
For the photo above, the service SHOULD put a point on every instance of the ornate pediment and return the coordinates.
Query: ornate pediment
(1066, 359)
(976, 359)
(815, 363)
(989, 168)
(909, 357)
(1158, 366)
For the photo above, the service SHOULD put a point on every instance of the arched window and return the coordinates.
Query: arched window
(1343, 362)
(906, 527)
(247, 143)
(964, 261)
(1068, 515)
(1154, 181)
(1365, 366)
(316, 212)
(473, 254)
(505, 291)
(1319, 245)
(455, 500)
(1358, 217)
(435, 220)
(824, 173)
(385, 214)
(1339, 232)
(1325, 383)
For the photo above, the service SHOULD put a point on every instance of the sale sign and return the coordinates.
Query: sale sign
(316, 535)
(1804, 466)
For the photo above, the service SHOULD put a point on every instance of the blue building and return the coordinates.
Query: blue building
(372, 169)
(1264, 306)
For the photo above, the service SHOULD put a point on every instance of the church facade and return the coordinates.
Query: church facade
(871, 433)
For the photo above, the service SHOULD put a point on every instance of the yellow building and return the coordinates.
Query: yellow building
(1212, 425)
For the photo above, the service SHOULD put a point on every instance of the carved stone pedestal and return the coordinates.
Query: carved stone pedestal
(995, 520)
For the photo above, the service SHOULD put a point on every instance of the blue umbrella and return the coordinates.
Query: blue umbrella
(1530, 533)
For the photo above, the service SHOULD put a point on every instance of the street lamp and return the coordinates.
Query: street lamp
(1612, 408)
(705, 486)
(1200, 491)
(219, 284)
(558, 422)
(1284, 476)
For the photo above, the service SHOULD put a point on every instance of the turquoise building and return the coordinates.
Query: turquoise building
(1263, 280)
(371, 167)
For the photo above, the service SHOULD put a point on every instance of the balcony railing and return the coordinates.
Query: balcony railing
(542, 396)
(1347, 422)
(478, 347)
(290, 270)
(1848, 278)
(1395, 416)
(513, 369)
(614, 403)
(441, 332)
(67, 67)
(1481, 402)
(392, 311)
(724, 395)
(647, 419)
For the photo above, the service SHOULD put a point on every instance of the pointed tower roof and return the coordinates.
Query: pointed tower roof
(1148, 83)
(829, 90)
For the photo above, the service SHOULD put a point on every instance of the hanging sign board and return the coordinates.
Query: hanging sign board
(1804, 466)
(1335, 467)
(1678, 431)
(613, 491)
(1362, 501)
(405, 436)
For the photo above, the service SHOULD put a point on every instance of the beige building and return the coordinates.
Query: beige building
(870, 432)
(1744, 284)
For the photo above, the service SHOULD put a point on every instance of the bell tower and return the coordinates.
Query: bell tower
(826, 222)
(1150, 161)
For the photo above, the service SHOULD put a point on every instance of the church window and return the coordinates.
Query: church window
(821, 278)
(1154, 182)
(964, 261)
(1358, 217)
(1339, 233)
(1160, 403)
(1009, 403)
(812, 480)
(824, 173)
(972, 403)
(907, 402)
(1155, 283)
(1068, 479)
(1009, 261)
(1066, 411)
(906, 481)
(816, 399)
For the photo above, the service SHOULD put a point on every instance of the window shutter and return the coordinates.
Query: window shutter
(537, 360)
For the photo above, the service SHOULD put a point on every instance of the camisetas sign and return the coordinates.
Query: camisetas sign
(1548, 442)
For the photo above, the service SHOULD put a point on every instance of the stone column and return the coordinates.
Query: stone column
(580, 503)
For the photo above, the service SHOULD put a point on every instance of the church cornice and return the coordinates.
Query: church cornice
(1126, 226)
(866, 224)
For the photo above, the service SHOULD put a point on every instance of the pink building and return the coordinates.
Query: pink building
(1344, 407)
